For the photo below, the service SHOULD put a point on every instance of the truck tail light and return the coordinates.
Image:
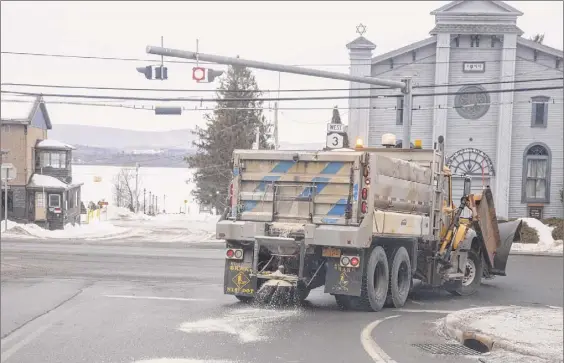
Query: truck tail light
(234, 254)
(364, 193)
(364, 207)
(350, 261)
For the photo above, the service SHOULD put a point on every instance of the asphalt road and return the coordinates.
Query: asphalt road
(71, 301)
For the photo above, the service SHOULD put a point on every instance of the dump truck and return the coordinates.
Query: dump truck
(361, 222)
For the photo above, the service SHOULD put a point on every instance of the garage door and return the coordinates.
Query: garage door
(476, 187)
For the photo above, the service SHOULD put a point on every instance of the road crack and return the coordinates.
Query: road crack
(48, 311)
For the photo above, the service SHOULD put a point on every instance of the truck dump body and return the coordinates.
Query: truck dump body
(361, 223)
(287, 187)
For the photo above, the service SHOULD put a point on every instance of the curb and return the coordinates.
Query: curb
(453, 329)
(541, 254)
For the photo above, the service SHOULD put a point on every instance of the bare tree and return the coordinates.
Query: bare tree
(537, 38)
(124, 191)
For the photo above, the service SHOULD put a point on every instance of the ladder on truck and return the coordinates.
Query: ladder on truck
(437, 167)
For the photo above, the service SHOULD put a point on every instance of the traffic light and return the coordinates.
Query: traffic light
(154, 72)
(205, 75)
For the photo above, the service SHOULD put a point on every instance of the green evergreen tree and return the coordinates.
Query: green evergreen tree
(232, 125)
(336, 119)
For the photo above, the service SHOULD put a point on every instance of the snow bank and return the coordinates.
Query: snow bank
(534, 331)
(93, 230)
(546, 243)
(120, 213)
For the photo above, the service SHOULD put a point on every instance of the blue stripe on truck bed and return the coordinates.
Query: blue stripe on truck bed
(281, 168)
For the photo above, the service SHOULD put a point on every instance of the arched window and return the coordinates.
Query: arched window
(536, 174)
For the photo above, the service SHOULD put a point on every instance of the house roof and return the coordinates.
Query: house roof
(451, 8)
(403, 50)
(46, 181)
(23, 111)
(53, 144)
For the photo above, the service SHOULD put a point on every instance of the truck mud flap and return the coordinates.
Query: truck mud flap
(342, 280)
(238, 279)
(509, 232)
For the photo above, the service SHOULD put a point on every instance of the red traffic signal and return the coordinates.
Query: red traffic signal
(205, 75)
(198, 74)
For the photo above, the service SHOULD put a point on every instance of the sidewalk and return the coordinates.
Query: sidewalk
(529, 331)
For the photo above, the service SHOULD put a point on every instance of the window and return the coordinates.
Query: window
(399, 112)
(6, 128)
(536, 174)
(539, 113)
(54, 201)
(53, 160)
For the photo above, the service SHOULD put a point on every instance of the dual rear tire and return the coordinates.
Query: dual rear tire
(385, 280)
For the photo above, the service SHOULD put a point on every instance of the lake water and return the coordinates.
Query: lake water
(169, 184)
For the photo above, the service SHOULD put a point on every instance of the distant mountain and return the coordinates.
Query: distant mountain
(122, 139)
(107, 137)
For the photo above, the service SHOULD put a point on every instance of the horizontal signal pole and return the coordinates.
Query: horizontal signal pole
(184, 54)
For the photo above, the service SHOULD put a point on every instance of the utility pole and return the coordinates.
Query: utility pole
(257, 139)
(403, 85)
(144, 191)
(407, 111)
(6, 202)
(276, 144)
(164, 203)
(137, 188)
(150, 201)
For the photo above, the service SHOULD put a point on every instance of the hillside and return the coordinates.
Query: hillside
(107, 137)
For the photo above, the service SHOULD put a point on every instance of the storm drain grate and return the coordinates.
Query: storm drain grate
(447, 349)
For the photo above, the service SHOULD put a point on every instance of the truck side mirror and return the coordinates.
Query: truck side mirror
(467, 186)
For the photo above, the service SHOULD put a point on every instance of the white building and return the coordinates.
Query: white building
(510, 140)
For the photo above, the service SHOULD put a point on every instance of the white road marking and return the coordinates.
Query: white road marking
(370, 346)
(9, 352)
(181, 360)
(425, 311)
(155, 298)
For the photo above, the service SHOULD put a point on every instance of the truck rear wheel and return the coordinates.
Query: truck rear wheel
(374, 285)
(472, 277)
(400, 277)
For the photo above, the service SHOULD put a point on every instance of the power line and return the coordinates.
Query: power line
(269, 90)
(262, 99)
(209, 109)
(129, 59)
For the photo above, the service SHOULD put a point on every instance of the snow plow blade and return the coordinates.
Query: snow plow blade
(496, 245)
(509, 232)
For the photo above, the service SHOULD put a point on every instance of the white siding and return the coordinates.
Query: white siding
(423, 72)
(524, 134)
(483, 131)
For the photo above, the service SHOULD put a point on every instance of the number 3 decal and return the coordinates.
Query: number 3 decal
(335, 141)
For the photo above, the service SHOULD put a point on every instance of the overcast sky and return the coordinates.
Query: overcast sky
(312, 34)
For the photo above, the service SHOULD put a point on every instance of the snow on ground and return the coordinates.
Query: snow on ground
(546, 242)
(534, 331)
(94, 230)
